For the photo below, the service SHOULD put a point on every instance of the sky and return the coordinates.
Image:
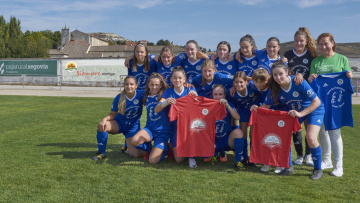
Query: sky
(206, 21)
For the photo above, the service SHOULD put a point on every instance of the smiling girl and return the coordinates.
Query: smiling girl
(124, 117)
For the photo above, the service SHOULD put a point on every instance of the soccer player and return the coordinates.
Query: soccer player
(248, 62)
(158, 128)
(299, 61)
(166, 62)
(330, 62)
(209, 77)
(223, 63)
(226, 138)
(141, 66)
(177, 90)
(244, 97)
(124, 117)
(304, 104)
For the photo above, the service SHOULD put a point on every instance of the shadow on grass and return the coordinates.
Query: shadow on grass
(69, 145)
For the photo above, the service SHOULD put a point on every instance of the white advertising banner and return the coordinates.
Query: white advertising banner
(100, 70)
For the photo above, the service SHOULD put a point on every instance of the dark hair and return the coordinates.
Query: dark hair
(122, 99)
(224, 43)
(240, 74)
(260, 74)
(220, 86)
(162, 89)
(273, 85)
(274, 39)
(169, 50)
(250, 39)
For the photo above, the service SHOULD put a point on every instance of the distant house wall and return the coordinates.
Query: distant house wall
(80, 36)
(98, 42)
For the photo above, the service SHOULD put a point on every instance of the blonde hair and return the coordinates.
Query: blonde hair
(207, 63)
(169, 50)
(310, 45)
(122, 99)
(146, 60)
(162, 89)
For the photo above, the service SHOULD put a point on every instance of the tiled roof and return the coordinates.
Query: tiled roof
(78, 49)
(119, 48)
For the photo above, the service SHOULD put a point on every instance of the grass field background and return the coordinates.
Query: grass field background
(47, 145)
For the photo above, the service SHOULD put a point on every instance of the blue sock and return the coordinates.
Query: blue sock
(102, 140)
(163, 155)
(245, 151)
(234, 127)
(144, 146)
(290, 160)
(316, 156)
(238, 145)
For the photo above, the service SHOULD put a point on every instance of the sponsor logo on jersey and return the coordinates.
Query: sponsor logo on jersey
(325, 85)
(132, 112)
(336, 97)
(295, 94)
(271, 140)
(198, 67)
(229, 67)
(197, 125)
(305, 61)
(205, 112)
(141, 79)
(310, 93)
(254, 63)
(281, 123)
(263, 60)
(185, 66)
(340, 82)
(251, 95)
(220, 128)
(161, 144)
(182, 56)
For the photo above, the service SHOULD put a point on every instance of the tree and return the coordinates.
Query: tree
(163, 42)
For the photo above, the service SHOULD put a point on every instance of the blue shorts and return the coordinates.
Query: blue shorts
(222, 144)
(314, 118)
(244, 115)
(160, 138)
(128, 131)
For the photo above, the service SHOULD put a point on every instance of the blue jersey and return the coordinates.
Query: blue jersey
(335, 90)
(243, 103)
(165, 71)
(223, 127)
(206, 90)
(158, 122)
(192, 69)
(297, 97)
(140, 75)
(248, 65)
(264, 61)
(133, 109)
(227, 68)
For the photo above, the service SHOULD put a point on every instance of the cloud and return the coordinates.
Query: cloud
(309, 3)
(251, 2)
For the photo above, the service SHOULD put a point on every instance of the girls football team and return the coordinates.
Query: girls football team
(243, 82)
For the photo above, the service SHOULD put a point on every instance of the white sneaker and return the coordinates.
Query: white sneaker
(326, 164)
(299, 160)
(278, 170)
(192, 163)
(308, 160)
(265, 168)
(338, 172)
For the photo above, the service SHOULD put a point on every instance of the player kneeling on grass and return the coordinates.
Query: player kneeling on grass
(227, 139)
(158, 128)
(124, 118)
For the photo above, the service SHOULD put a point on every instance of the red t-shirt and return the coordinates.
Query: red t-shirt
(196, 117)
(271, 139)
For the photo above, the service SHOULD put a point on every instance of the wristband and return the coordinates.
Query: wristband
(164, 104)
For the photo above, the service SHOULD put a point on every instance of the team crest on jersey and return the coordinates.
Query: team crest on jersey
(198, 67)
(254, 63)
(205, 112)
(295, 94)
(281, 123)
(229, 67)
(305, 61)
(271, 140)
(136, 101)
(251, 95)
(197, 125)
(310, 93)
(340, 82)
